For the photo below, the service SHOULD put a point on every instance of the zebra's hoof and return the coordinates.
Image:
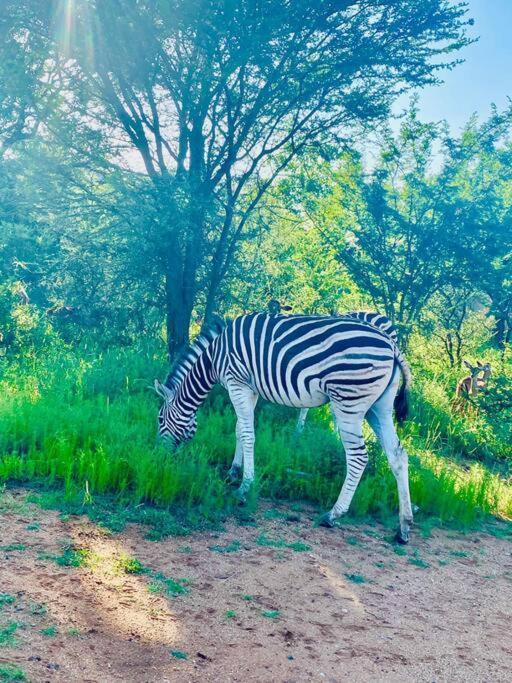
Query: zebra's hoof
(240, 496)
(401, 537)
(326, 521)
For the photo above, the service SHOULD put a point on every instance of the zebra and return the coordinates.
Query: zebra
(372, 318)
(299, 361)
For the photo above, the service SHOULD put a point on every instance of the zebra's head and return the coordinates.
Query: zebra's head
(174, 426)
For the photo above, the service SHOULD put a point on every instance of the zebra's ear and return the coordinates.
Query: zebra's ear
(163, 391)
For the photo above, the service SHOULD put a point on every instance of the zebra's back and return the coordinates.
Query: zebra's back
(303, 361)
(382, 322)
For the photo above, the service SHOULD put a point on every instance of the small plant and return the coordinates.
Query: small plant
(10, 673)
(74, 632)
(232, 547)
(270, 613)
(399, 550)
(49, 631)
(355, 578)
(230, 614)
(299, 547)
(353, 540)
(38, 608)
(70, 557)
(296, 546)
(130, 565)
(185, 549)
(178, 654)
(6, 599)
(458, 553)
(417, 561)
(7, 632)
(247, 598)
(33, 526)
(164, 584)
(13, 547)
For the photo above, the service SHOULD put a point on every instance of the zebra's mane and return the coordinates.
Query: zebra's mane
(189, 355)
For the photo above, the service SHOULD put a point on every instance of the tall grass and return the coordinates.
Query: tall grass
(88, 422)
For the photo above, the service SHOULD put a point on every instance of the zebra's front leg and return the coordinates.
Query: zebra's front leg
(301, 420)
(350, 429)
(244, 401)
(236, 466)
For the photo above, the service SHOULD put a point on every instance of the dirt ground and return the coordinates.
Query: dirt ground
(339, 605)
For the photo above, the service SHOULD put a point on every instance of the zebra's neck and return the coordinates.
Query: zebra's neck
(196, 383)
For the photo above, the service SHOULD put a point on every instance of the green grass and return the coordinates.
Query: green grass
(271, 613)
(417, 561)
(296, 546)
(178, 654)
(130, 565)
(10, 673)
(232, 547)
(70, 556)
(49, 631)
(165, 584)
(86, 426)
(6, 599)
(355, 578)
(7, 637)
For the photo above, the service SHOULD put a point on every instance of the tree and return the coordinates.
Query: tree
(218, 97)
(431, 218)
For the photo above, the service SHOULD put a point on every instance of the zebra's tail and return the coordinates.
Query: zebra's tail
(401, 404)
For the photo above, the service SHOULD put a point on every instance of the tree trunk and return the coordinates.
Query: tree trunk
(503, 333)
(178, 313)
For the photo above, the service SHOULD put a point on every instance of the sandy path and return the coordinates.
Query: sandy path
(345, 608)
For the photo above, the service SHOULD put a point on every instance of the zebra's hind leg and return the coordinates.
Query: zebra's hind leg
(380, 417)
(350, 429)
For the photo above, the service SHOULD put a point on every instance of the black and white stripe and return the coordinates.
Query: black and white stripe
(373, 318)
(303, 362)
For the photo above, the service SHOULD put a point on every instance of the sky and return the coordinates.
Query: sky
(484, 78)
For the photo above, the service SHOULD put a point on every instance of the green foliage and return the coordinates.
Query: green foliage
(6, 599)
(7, 637)
(49, 631)
(130, 565)
(60, 428)
(10, 673)
(417, 561)
(165, 584)
(271, 613)
(232, 547)
(355, 578)
(70, 557)
(178, 654)
(296, 546)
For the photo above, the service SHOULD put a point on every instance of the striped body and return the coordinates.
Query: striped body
(302, 361)
(382, 322)
(377, 320)
(298, 361)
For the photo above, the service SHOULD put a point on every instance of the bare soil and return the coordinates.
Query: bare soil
(341, 605)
